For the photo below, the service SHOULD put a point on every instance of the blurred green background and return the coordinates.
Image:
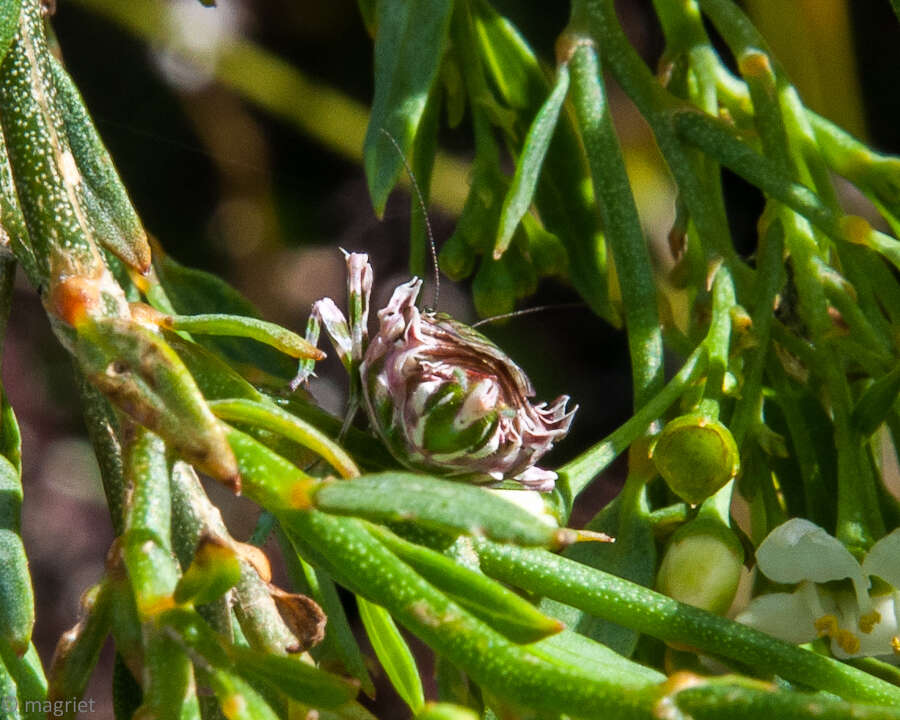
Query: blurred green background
(238, 131)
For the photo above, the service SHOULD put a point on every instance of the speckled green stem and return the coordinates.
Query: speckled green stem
(359, 562)
(620, 218)
(646, 611)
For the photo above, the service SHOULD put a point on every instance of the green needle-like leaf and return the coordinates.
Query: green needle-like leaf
(620, 601)
(238, 699)
(109, 209)
(9, 23)
(452, 507)
(168, 683)
(78, 650)
(409, 46)
(194, 292)
(393, 653)
(268, 333)
(28, 675)
(8, 694)
(146, 543)
(500, 608)
(360, 563)
(294, 677)
(16, 595)
(214, 570)
(266, 415)
(872, 408)
(290, 675)
(142, 375)
(267, 478)
(521, 191)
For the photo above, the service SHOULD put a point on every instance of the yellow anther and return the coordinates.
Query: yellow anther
(868, 621)
(826, 626)
(895, 644)
(847, 641)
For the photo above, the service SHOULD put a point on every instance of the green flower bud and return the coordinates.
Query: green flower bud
(695, 456)
(702, 565)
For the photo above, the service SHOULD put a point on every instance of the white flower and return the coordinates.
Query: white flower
(859, 622)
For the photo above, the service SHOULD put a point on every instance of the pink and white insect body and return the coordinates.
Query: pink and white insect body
(442, 396)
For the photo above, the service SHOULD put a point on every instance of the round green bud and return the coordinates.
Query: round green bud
(696, 456)
(701, 565)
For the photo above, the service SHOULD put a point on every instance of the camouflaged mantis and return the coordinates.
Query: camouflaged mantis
(442, 396)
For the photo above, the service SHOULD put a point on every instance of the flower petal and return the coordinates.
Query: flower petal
(883, 559)
(786, 616)
(799, 550)
(874, 643)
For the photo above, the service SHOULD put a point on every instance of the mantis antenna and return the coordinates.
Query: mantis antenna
(528, 311)
(418, 192)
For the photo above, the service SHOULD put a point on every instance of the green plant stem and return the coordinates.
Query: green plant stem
(193, 515)
(783, 131)
(718, 341)
(689, 68)
(685, 34)
(667, 518)
(575, 475)
(815, 491)
(656, 106)
(620, 219)
(770, 279)
(102, 425)
(339, 647)
(763, 74)
(739, 699)
(875, 174)
(646, 611)
(718, 139)
(859, 519)
(878, 668)
(871, 171)
(77, 651)
(345, 550)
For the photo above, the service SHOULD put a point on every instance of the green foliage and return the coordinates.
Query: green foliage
(409, 41)
(393, 653)
(788, 387)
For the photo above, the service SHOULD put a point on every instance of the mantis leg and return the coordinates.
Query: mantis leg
(325, 312)
(349, 338)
